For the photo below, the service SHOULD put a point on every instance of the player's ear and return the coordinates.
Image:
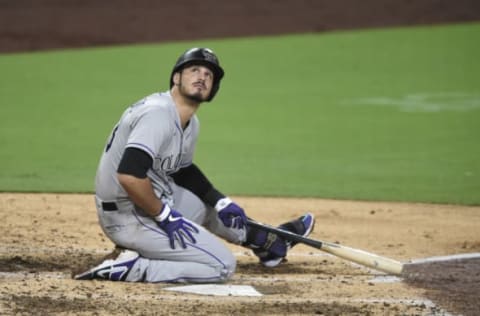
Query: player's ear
(176, 78)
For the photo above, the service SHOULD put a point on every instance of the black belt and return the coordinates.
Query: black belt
(109, 206)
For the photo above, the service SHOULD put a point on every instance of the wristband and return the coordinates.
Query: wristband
(222, 203)
(212, 197)
(164, 212)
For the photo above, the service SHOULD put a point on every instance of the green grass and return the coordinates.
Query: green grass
(377, 115)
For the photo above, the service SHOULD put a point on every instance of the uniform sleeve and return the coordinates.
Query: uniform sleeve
(150, 131)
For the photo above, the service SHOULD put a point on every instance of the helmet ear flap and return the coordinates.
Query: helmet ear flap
(204, 56)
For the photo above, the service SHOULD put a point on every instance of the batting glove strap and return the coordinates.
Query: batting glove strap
(164, 212)
(231, 214)
(222, 203)
(177, 228)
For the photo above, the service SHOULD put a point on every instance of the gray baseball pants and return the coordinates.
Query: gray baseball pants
(206, 261)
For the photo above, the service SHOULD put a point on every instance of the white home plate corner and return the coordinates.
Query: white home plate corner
(217, 290)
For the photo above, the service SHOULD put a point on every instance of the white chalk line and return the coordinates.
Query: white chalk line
(461, 256)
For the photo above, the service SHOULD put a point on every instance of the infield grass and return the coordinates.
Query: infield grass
(389, 114)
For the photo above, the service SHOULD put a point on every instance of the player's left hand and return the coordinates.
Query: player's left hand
(176, 227)
(231, 214)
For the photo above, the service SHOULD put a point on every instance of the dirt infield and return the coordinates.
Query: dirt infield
(46, 236)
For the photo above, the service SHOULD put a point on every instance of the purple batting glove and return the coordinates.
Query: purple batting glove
(231, 214)
(176, 227)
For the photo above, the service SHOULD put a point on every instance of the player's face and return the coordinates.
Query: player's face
(196, 82)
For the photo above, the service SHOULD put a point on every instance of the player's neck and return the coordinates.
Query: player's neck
(186, 108)
(185, 111)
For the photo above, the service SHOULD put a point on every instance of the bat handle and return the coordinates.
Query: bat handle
(285, 234)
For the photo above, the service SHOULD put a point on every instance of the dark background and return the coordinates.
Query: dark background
(27, 25)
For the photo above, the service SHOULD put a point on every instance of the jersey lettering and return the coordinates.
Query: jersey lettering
(111, 139)
(168, 163)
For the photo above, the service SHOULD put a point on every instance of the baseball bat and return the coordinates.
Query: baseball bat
(355, 255)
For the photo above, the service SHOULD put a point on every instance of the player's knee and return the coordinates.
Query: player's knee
(228, 268)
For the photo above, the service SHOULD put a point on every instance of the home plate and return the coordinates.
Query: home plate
(217, 290)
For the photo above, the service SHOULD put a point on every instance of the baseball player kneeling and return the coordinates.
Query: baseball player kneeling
(157, 206)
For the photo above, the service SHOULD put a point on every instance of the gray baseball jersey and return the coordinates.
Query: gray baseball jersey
(153, 125)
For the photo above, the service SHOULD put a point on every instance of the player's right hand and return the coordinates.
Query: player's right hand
(231, 214)
(177, 228)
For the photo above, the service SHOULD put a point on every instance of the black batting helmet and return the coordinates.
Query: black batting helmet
(202, 56)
